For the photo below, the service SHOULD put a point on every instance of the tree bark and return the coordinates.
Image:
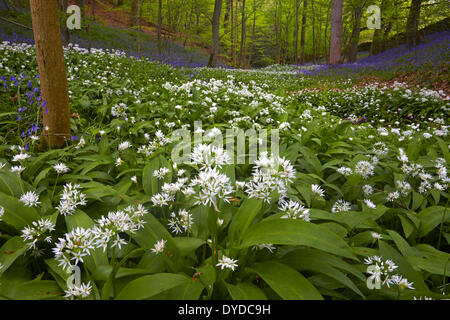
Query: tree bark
(134, 12)
(297, 7)
(215, 34)
(253, 35)
(412, 25)
(336, 32)
(303, 37)
(52, 73)
(352, 50)
(159, 29)
(243, 36)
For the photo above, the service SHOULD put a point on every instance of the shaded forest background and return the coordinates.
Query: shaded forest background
(257, 33)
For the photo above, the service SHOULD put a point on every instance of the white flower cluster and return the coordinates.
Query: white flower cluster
(383, 272)
(71, 199)
(160, 141)
(109, 227)
(74, 246)
(2, 212)
(270, 175)
(209, 187)
(226, 262)
(341, 206)
(61, 168)
(210, 156)
(294, 210)
(79, 242)
(30, 199)
(181, 222)
(38, 231)
(161, 173)
(76, 292)
(119, 110)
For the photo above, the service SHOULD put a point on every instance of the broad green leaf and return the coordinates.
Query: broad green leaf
(148, 286)
(245, 291)
(244, 217)
(296, 232)
(16, 213)
(430, 218)
(10, 251)
(317, 261)
(286, 282)
(187, 245)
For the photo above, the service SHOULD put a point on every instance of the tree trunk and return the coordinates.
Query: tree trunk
(134, 12)
(159, 29)
(412, 25)
(215, 34)
(302, 40)
(140, 27)
(52, 73)
(297, 7)
(336, 32)
(325, 47)
(378, 41)
(66, 32)
(243, 36)
(354, 38)
(253, 35)
(314, 31)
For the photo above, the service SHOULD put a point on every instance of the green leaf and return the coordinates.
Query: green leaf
(187, 245)
(244, 217)
(245, 291)
(286, 282)
(16, 213)
(33, 290)
(403, 246)
(296, 232)
(10, 251)
(149, 182)
(148, 286)
(430, 218)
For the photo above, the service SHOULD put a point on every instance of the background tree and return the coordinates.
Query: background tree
(52, 72)
(215, 34)
(336, 31)
(412, 25)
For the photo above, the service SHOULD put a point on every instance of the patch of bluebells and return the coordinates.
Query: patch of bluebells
(431, 54)
(29, 85)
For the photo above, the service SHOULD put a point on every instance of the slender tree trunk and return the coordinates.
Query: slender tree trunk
(253, 35)
(336, 32)
(352, 50)
(412, 25)
(52, 72)
(232, 34)
(66, 31)
(297, 7)
(326, 32)
(243, 36)
(319, 40)
(278, 30)
(215, 34)
(314, 31)
(140, 27)
(159, 29)
(236, 32)
(226, 18)
(303, 37)
(134, 12)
